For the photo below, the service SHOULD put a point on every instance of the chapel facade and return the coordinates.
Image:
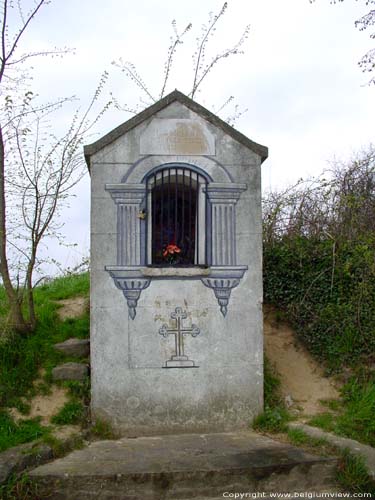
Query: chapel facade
(176, 272)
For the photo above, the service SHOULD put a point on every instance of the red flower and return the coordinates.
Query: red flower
(171, 249)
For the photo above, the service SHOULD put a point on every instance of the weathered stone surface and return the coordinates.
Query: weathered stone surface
(363, 450)
(184, 466)
(138, 384)
(177, 136)
(74, 347)
(70, 371)
(19, 458)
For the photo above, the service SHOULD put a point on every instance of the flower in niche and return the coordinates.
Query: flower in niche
(170, 253)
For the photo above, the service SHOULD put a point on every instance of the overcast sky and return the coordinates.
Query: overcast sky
(307, 99)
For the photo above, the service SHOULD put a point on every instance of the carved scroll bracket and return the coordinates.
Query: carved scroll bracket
(222, 280)
(131, 285)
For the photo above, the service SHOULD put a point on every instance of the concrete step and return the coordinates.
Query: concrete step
(184, 466)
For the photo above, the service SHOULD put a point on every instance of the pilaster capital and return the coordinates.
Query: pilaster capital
(219, 193)
(127, 194)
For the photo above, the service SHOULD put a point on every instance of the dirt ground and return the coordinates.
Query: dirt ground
(44, 406)
(72, 308)
(303, 383)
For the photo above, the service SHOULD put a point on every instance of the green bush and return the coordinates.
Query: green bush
(332, 308)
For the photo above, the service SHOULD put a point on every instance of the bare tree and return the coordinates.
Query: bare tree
(9, 58)
(367, 21)
(38, 168)
(45, 168)
(339, 205)
(203, 65)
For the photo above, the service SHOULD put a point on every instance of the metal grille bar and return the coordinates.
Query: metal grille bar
(178, 217)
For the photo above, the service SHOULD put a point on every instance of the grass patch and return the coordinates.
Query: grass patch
(353, 476)
(22, 357)
(300, 438)
(73, 412)
(64, 287)
(13, 433)
(61, 448)
(355, 418)
(79, 390)
(331, 404)
(19, 488)
(275, 415)
(352, 472)
(272, 420)
(324, 420)
(102, 430)
(80, 327)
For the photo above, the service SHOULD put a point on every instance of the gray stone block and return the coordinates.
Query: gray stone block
(70, 371)
(19, 458)
(185, 467)
(74, 347)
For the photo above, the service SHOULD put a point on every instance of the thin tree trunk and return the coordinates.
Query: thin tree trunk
(29, 289)
(16, 317)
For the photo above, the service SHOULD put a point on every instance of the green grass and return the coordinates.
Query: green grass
(64, 287)
(102, 430)
(19, 488)
(324, 421)
(275, 415)
(353, 476)
(355, 417)
(352, 472)
(300, 438)
(73, 412)
(24, 431)
(22, 357)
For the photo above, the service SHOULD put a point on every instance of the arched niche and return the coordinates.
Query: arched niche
(133, 272)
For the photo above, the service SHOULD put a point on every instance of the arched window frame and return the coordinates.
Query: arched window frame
(131, 274)
(173, 176)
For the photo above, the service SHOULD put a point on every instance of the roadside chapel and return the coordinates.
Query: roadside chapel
(176, 272)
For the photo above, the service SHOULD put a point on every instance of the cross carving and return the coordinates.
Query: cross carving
(179, 359)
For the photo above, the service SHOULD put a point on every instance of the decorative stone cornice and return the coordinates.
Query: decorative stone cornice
(132, 280)
(127, 194)
(219, 193)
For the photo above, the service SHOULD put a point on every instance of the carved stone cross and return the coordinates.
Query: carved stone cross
(179, 359)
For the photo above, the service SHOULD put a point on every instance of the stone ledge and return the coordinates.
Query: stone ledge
(184, 466)
(364, 450)
(24, 456)
(74, 347)
(175, 272)
(70, 371)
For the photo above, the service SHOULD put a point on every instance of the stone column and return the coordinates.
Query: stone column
(225, 274)
(223, 199)
(128, 198)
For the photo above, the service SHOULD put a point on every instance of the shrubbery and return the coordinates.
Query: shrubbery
(319, 261)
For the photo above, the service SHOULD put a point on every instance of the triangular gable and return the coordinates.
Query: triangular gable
(176, 95)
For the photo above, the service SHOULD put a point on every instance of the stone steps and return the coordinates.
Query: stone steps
(184, 466)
